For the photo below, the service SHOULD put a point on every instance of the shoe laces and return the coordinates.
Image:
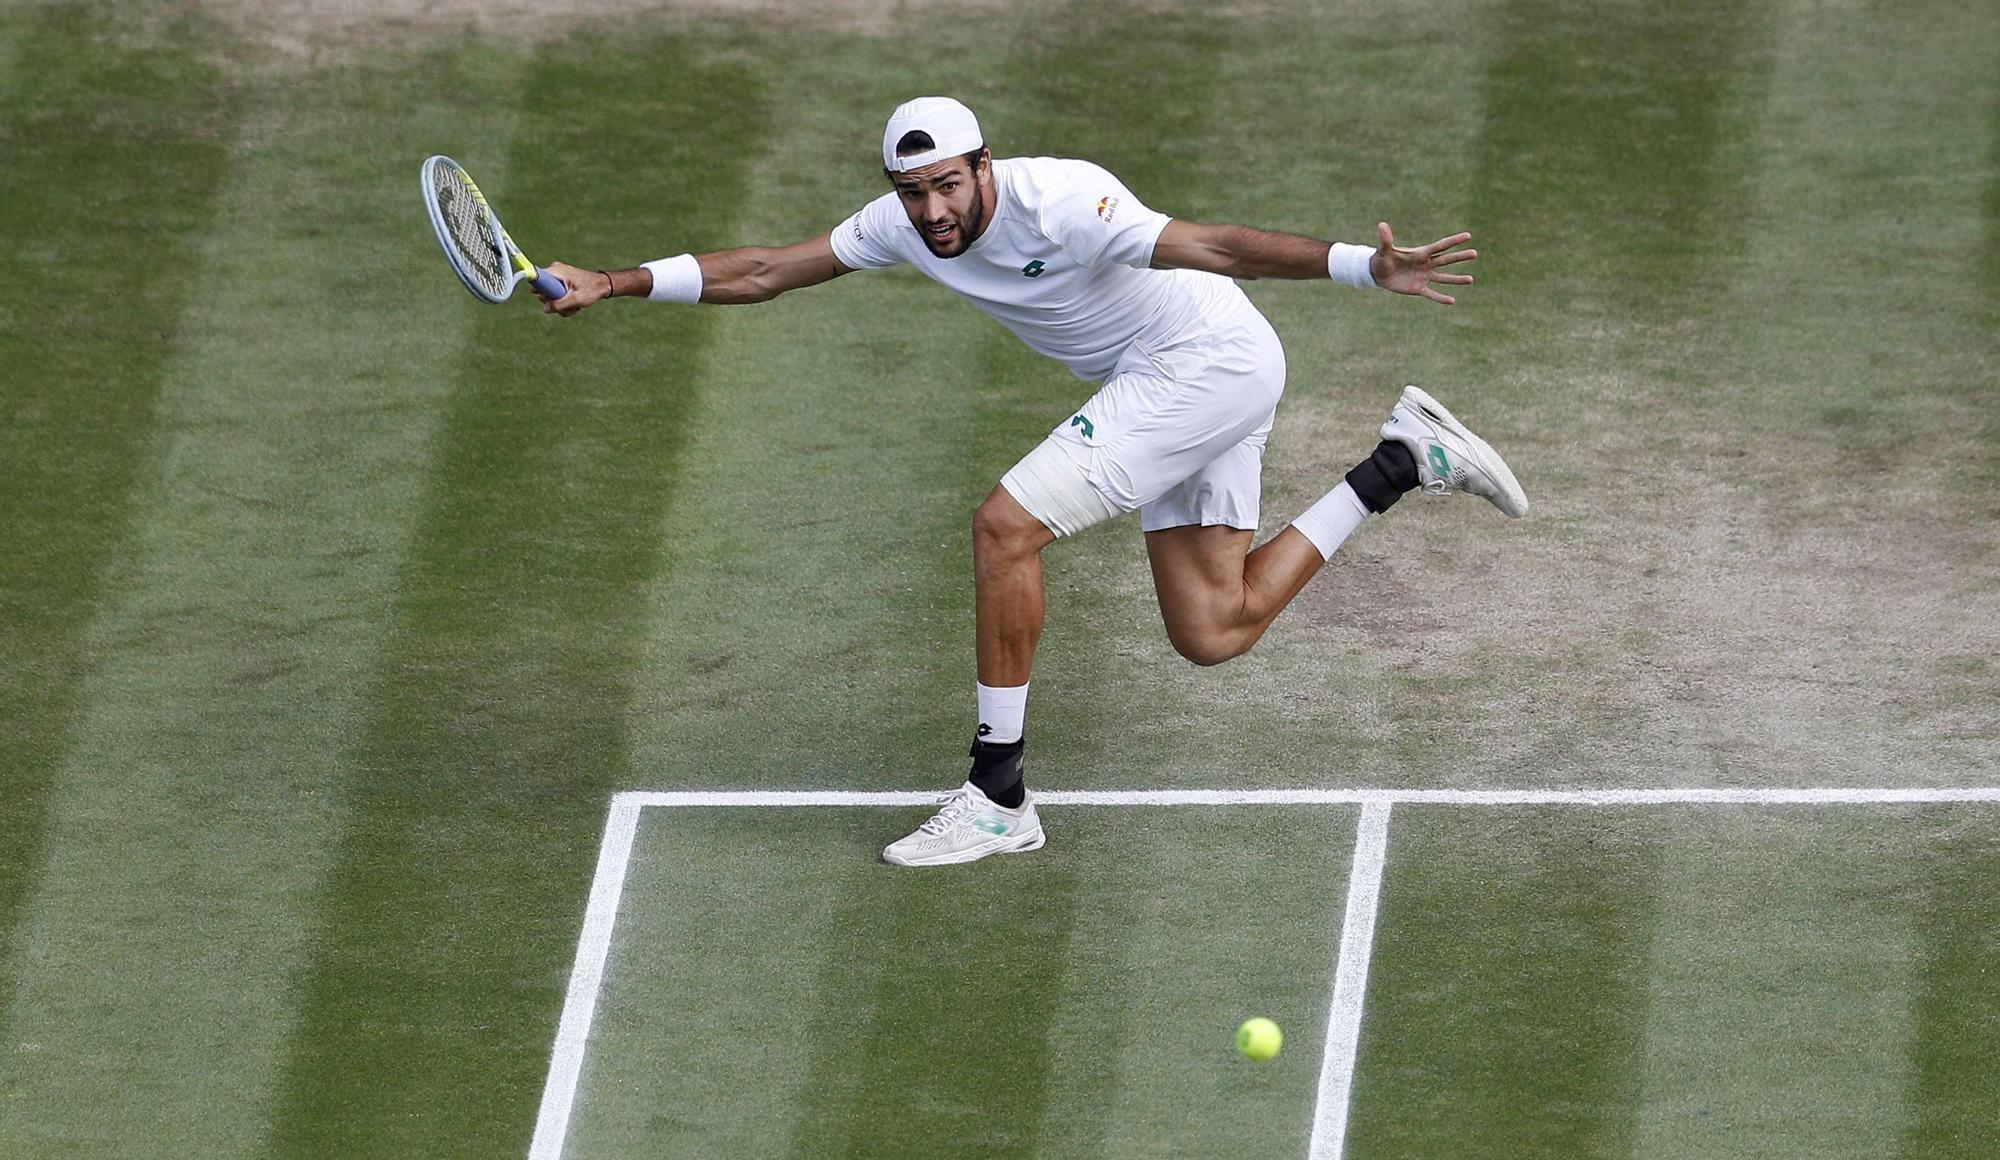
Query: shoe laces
(958, 810)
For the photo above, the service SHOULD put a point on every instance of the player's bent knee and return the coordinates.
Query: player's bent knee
(1000, 529)
(1209, 649)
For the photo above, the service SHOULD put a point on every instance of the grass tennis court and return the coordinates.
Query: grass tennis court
(335, 607)
(1769, 995)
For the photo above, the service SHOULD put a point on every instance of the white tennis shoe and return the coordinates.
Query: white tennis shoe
(1449, 457)
(968, 828)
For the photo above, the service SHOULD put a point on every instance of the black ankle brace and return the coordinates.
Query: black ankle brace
(1382, 478)
(996, 770)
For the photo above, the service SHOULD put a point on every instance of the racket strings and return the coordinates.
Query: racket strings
(466, 220)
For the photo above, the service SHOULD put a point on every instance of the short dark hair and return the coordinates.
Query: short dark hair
(918, 141)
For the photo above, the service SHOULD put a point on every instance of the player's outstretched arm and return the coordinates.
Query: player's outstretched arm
(1243, 252)
(727, 277)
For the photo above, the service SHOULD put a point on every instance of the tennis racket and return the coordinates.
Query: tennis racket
(474, 241)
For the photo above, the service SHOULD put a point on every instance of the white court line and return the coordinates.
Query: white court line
(1340, 797)
(594, 945)
(566, 1064)
(1350, 984)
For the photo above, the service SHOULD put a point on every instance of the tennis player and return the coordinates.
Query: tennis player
(1188, 377)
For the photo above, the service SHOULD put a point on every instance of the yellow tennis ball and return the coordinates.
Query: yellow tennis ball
(1259, 1038)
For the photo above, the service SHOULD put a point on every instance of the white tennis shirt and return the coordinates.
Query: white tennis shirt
(1063, 263)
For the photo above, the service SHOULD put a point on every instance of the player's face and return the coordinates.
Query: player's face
(947, 202)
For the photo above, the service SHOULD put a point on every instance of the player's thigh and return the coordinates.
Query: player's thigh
(1051, 485)
(1227, 490)
(1162, 420)
(1198, 576)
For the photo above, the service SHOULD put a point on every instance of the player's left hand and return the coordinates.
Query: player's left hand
(1414, 271)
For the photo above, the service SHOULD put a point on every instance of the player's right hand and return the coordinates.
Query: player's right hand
(586, 287)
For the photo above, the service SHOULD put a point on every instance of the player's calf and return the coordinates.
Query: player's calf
(1218, 600)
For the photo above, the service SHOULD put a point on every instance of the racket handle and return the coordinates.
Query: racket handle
(548, 285)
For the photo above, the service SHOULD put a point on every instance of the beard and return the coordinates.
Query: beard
(968, 229)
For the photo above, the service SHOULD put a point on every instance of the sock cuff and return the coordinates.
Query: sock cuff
(1003, 712)
(1329, 522)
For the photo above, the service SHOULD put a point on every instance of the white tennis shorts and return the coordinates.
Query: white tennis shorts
(1177, 433)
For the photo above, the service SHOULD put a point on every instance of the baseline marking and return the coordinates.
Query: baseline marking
(1364, 888)
(1343, 797)
(1350, 984)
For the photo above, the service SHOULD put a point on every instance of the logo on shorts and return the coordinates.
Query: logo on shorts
(1032, 269)
(1107, 208)
(1088, 430)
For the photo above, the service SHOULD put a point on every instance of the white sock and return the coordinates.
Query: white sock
(1003, 714)
(1331, 520)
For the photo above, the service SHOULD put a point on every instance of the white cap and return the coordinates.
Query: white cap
(952, 128)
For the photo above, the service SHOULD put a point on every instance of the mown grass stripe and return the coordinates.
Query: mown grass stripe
(1607, 146)
(1609, 155)
(778, 647)
(245, 612)
(1507, 990)
(1779, 1014)
(1990, 281)
(495, 727)
(1858, 146)
(697, 1042)
(818, 509)
(107, 145)
(1954, 1053)
(1991, 266)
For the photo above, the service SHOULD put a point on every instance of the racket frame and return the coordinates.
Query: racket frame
(523, 270)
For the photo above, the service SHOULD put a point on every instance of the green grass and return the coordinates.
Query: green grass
(334, 605)
(1507, 989)
(819, 1044)
(515, 617)
(1696, 981)
(88, 145)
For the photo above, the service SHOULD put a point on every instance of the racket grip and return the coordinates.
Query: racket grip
(548, 285)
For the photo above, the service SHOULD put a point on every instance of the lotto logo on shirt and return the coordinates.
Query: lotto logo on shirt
(1107, 208)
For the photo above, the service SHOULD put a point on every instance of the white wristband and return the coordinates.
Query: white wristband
(1349, 264)
(675, 279)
